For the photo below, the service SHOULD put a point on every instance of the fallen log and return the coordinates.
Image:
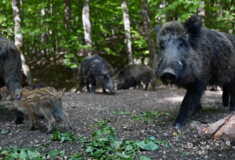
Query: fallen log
(223, 129)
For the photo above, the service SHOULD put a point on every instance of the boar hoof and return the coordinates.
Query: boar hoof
(32, 128)
(177, 124)
(19, 120)
(196, 114)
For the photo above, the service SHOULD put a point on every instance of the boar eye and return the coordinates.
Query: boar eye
(162, 47)
(103, 74)
(181, 44)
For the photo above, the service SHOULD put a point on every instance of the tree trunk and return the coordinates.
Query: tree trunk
(127, 31)
(68, 27)
(19, 37)
(87, 27)
(54, 49)
(17, 27)
(223, 129)
(233, 16)
(43, 35)
(148, 31)
(67, 15)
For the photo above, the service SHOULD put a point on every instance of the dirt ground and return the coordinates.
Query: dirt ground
(86, 109)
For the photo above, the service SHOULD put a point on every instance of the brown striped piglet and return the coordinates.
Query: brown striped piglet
(41, 102)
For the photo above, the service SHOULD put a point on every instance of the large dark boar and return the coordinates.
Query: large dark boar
(95, 69)
(193, 57)
(132, 75)
(10, 70)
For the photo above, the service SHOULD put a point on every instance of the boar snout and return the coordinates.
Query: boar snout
(112, 91)
(168, 76)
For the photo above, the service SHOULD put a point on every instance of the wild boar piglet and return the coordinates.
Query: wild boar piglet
(41, 102)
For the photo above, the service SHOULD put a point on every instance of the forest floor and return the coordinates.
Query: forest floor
(133, 114)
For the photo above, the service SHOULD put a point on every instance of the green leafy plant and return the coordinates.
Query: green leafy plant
(27, 153)
(123, 112)
(5, 131)
(148, 116)
(67, 137)
(104, 144)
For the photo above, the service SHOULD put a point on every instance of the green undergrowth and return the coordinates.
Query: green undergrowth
(143, 117)
(102, 145)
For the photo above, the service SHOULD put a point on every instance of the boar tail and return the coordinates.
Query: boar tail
(62, 92)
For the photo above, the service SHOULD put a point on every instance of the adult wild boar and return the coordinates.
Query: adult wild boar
(193, 57)
(95, 69)
(10, 70)
(132, 75)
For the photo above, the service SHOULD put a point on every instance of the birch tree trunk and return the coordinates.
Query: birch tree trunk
(87, 27)
(17, 27)
(148, 31)
(43, 35)
(127, 31)
(54, 42)
(67, 15)
(19, 37)
(233, 16)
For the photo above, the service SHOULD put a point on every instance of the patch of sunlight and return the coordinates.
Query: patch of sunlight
(174, 99)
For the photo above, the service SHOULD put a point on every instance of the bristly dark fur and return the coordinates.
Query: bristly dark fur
(10, 67)
(193, 27)
(95, 68)
(133, 75)
(193, 57)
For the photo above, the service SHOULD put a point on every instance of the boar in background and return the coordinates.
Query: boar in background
(95, 69)
(132, 75)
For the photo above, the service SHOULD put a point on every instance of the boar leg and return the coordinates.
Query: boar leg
(80, 81)
(51, 120)
(12, 87)
(225, 95)
(190, 103)
(146, 82)
(140, 85)
(197, 110)
(93, 84)
(104, 91)
(33, 119)
(87, 86)
(152, 83)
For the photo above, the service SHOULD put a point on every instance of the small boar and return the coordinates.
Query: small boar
(35, 86)
(194, 57)
(40, 102)
(4, 93)
(10, 70)
(95, 69)
(132, 75)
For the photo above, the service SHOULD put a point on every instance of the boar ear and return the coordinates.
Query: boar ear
(193, 27)
(115, 70)
(157, 29)
(121, 73)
